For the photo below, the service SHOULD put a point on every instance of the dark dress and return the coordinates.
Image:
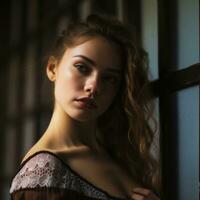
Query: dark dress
(46, 176)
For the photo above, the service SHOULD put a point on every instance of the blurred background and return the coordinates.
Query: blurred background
(169, 33)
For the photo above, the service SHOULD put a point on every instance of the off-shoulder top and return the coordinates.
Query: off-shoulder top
(44, 175)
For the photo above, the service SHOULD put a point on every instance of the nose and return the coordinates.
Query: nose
(93, 85)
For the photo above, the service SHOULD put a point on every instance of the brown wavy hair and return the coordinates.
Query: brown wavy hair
(125, 128)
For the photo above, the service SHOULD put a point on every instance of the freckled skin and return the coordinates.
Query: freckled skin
(71, 83)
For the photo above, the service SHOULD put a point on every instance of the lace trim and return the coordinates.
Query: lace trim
(45, 170)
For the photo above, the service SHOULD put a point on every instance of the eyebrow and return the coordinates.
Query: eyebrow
(93, 63)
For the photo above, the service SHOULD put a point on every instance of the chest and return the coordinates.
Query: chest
(104, 175)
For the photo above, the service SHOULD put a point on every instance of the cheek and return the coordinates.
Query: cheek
(72, 79)
(109, 96)
(68, 84)
(112, 91)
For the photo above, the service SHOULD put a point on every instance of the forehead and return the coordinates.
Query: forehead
(102, 51)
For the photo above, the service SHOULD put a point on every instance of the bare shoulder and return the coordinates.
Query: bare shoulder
(67, 154)
(31, 152)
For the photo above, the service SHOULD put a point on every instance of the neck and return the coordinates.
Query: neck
(66, 132)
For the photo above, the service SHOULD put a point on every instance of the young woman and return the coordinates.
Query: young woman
(97, 144)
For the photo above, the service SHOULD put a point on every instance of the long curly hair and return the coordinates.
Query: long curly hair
(125, 130)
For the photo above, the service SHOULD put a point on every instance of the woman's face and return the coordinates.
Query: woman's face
(90, 70)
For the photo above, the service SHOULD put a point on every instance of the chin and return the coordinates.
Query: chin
(82, 117)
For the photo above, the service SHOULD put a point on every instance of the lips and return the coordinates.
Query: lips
(87, 102)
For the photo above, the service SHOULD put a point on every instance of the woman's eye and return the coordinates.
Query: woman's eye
(82, 68)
